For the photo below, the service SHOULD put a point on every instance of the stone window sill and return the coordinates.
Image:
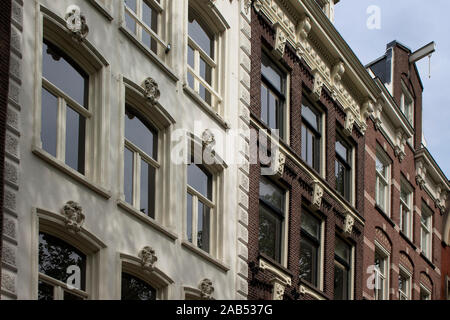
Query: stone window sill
(149, 221)
(75, 175)
(205, 255)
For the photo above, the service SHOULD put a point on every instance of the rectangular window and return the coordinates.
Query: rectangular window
(425, 294)
(311, 135)
(406, 195)
(310, 248)
(343, 168)
(381, 264)
(404, 285)
(426, 231)
(383, 175)
(342, 269)
(200, 206)
(140, 162)
(142, 18)
(273, 95)
(271, 219)
(407, 105)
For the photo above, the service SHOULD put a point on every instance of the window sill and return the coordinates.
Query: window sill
(282, 269)
(385, 215)
(162, 65)
(408, 240)
(151, 222)
(427, 260)
(311, 290)
(103, 10)
(205, 255)
(70, 172)
(194, 95)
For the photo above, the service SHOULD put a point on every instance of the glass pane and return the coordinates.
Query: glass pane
(70, 296)
(45, 291)
(381, 168)
(191, 57)
(311, 225)
(190, 80)
(272, 111)
(308, 261)
(304, 143)
(402, 283)
(205, 94)
(149, 41)
(130, 23)
(272, 73)
(340, 283)
(404, 195)
(203, 227)
(309, 148)
(75, 140)
(136, 289)
(379, 262)
(49, 122)
(61, 71)
(200, 180)
(189, 217)
(201, 35)
(56, 256)
(342, 250)
(340, 178)
(128, 175)
(264, 104)
(147, 205)
(150, 16)
(311, 117)
(141, 133)
(131, 4)
(342, 151)
(269, 236)
(271, 194)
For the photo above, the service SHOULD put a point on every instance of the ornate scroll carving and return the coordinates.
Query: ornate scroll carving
(280, 41)
(317, 195)
(73, 216)
(348, 224)
(76, 23)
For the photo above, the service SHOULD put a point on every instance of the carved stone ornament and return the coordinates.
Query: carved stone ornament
(399, 149)
(76, 22)
(348, 224)
(280, 159)
(280, 41)
(152, 92)
(247, 5)
(317, 195)
(73, 216)
(257, 4)
(208, 138)
(303, 28)
(278, 290)
(206, 289)
(349, 122)
(337, 73)
(367, 110)
(318, 85)
(148, 258)
(421, 172)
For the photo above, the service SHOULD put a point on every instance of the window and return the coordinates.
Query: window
(202, 69)
(425, 294)
(200, 206)
(62, 270)
(381, 264)
(134, 288)
(310, 243)
(271, 219)
(65, 107)
(342, 269)
(405, 210)
(343, 168)
(404, 285)
(273, 95)
(426, 231)
(382, 181)
(407, 105)
(143, 18)
(140, 162)
(311, 135)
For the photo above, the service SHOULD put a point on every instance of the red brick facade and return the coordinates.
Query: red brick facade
(5, 32)
(296, 181)
(377, 220)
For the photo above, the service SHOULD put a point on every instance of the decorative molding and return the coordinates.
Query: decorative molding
(278, 289)
(349, 122)
(280, 41)
(399, 148)
(151, 90)
(208, 138)
(280, 161)
(317, 195)
(73, 216)
(279, 275)
(303, 29)
(348, 224)
(421, 172)
(76, 23)
(148, 258)
(206, 289)
(318, 85)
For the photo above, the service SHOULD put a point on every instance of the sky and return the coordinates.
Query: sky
(414, 23)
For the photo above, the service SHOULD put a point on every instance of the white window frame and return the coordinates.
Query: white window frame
(408, 207)
(408, 277)
(427, 291)
(407, 108)
(380, 276)
(215, 25)
(428, 229)
(160, 36)
(385, 180)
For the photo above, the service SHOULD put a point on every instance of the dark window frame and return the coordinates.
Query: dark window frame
(317, 134)
(346, 164)
(316, 242)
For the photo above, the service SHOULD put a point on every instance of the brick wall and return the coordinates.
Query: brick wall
(296, 180)
(5, 32)
(376, 219)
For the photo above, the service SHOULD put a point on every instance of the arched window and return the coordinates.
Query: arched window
(134, 288)
(62, 270)
(65, 107)
(140, 162)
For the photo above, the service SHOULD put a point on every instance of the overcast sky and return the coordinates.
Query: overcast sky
(414, 23)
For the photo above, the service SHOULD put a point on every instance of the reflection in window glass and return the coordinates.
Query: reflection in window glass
(75, 140)
(201, 35)
(49, 120)
(147, 189)
(309, 248)
(203, 227)
(200, 180)
(136, 289)
(128, 175)
(141, 133)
